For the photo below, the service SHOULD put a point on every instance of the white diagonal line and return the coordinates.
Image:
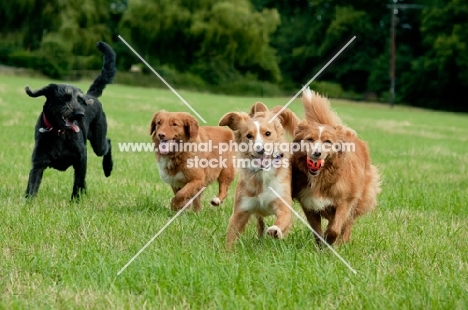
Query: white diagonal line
(311, 80)
(163, 80)
(160, 231)
(318, 236)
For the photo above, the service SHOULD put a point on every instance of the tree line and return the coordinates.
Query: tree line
(243, 46)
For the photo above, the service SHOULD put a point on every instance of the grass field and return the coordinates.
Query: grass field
(411, 253)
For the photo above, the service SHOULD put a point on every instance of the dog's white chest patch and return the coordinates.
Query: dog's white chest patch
(262, 201)
(173, 180)
(314, 203)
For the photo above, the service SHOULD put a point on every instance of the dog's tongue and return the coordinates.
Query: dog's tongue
(166, 146)
(314, 165)
(73, 125)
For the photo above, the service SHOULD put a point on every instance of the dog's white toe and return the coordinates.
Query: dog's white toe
(215, 201)
(275, 232)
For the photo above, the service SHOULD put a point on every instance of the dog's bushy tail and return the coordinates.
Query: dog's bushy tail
(107, 73)
(318, 109)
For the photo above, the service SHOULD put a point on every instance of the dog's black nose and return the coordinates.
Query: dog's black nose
(161, 136)
(78, 114)
(258, 147)
(317, 154)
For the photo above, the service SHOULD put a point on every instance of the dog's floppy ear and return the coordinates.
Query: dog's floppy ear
(45, 91)
(233, 120)
(190, 126)
(258, 107)
(153, 123)
(288, 119)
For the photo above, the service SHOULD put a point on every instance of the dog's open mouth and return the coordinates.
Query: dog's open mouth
(167, 146)
(314, 165)
(73, 125)
(263, 161)
(267, 160)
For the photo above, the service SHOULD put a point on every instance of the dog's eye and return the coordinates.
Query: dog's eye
(328, 141)
(249, 136)
(158, 123)
(310, 139)
(267, 133)
(82, 100)
(174, 124)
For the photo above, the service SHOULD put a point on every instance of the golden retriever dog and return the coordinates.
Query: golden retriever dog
(188, 157)
(332, 172)
(261, 164)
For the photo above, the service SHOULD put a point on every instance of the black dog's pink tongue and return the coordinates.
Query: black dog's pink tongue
(73, 126)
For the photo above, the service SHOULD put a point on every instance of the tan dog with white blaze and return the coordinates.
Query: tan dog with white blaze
(181, 148)
(262, 167)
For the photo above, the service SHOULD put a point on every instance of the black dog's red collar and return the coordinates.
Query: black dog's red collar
(46, 122)
(48, 126)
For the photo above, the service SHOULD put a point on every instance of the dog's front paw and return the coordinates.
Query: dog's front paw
(275, 232)
(178, 203)
(330, 236)
(216, 201)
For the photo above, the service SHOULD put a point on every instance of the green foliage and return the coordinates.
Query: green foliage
(24, 22)
(329, 89)
(316, 31)
(379, 76)
(52, 59)
(82, 25)
(216, 40)
(438, 78)
(178, 79)
(248, 86)
(56, 58)
(241, 86)
(231, 33)
(22, 58)
(157, 29)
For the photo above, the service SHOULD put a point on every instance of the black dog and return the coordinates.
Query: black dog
(68, 118)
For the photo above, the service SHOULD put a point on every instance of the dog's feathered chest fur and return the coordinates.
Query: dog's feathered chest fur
(170, 170)
(254, 189)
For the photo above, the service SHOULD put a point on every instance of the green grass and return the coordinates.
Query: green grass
(411, 253)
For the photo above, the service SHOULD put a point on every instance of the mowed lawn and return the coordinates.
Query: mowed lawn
(410, 253)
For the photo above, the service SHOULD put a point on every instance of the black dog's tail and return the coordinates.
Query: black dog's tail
(107, 73)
